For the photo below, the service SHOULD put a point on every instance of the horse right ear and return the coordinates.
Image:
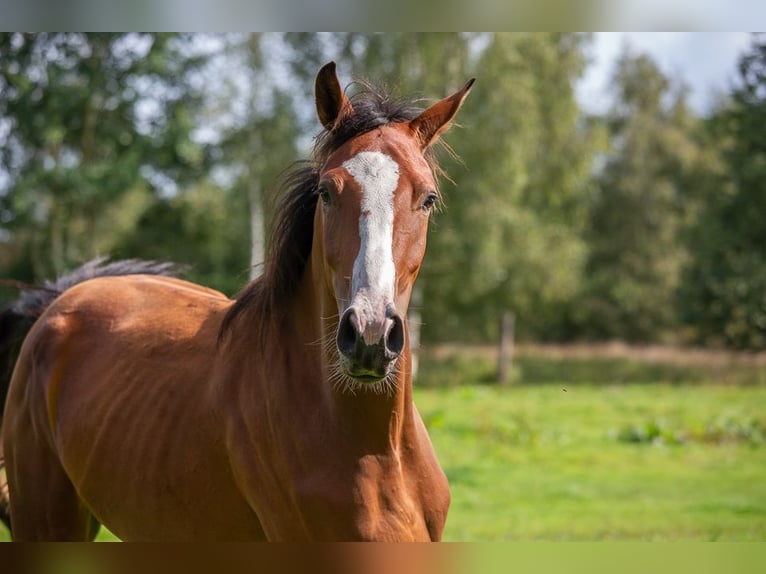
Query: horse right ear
(332, 104)
(429, 125)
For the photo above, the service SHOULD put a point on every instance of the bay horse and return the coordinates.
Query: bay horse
(166, 411)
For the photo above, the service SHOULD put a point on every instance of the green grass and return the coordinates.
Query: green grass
(545, 463)
(651, 452)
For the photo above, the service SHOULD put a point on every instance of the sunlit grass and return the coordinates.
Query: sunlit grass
(545, 463)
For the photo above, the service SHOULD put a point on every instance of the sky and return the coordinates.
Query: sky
(705, 61)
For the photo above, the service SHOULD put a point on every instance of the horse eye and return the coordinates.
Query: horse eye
(324, 194)
(430, 201)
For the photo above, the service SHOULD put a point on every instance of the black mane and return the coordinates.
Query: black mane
(293, 229)
(34, 299)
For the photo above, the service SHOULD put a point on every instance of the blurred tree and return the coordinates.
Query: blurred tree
(95, 127)
(510, 237)
(251, 130)
(406, 63)
(724, 291)
(205, 228)
(262, 143)
(648, 185)
(428, 65)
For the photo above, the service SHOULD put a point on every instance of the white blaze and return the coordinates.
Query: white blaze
(374, 274)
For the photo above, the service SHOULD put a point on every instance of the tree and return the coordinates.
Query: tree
(636, 220)
(262, 142)
(217, 225)
(96, 127)
(724, 289)
(510, 236)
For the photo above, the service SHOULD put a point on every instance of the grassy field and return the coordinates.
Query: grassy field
(606, 443)
(628, 462)
(595, 448)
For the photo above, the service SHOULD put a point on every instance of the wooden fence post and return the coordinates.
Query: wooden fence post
(505, 354)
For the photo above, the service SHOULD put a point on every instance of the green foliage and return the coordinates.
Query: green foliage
(654, 432)
(91, 121)
(510, 236)
(724, 295)
(724, 429)
(636, 219)
(429, 65)
(214, 225)
(260, 145)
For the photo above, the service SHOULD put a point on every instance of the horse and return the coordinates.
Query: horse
(168, 412)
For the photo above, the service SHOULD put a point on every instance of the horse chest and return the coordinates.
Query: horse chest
(301, 495)
(408, 502)
(373, 498)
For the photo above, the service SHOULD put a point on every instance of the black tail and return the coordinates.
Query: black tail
(17, 319)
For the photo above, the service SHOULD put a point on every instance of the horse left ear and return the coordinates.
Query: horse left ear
(332, 104)
(429, 125)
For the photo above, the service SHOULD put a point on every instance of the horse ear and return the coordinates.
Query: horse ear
(332, 104)
(434, 121)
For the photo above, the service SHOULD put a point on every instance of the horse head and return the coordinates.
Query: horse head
(376, 191)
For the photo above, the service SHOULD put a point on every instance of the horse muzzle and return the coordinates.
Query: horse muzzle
(369, 345)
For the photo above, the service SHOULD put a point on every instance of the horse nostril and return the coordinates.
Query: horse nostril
(348, 334)
(394, 340)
